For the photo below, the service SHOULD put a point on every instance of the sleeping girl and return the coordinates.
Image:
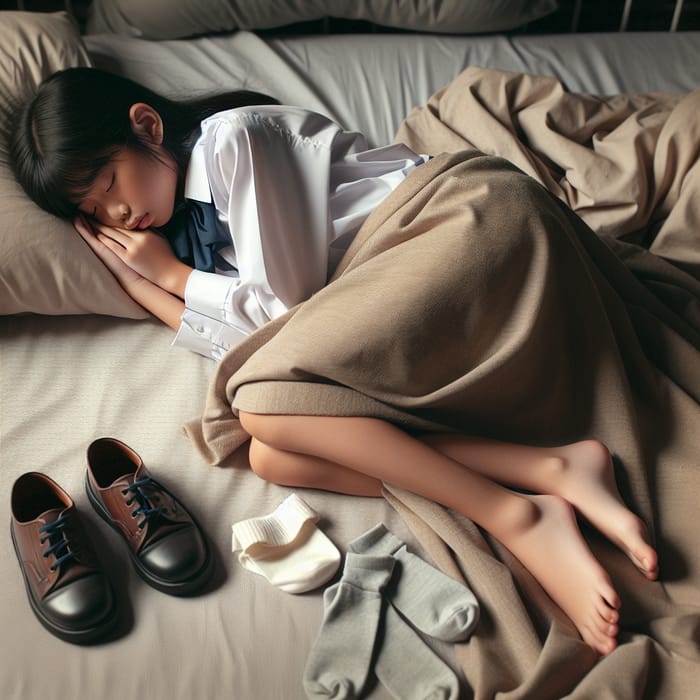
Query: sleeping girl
(260, 201)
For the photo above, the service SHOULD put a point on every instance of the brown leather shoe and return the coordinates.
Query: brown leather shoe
(68, 593)
(167, 546)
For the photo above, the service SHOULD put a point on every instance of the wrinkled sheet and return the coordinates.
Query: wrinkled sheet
(626, 164)
(473, 299)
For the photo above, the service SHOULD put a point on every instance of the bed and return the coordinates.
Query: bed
(78, 360)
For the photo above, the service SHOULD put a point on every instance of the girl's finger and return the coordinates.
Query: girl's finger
(115, 234)
(108, 242)
(86, 223)
(79, 224)
(86, 235)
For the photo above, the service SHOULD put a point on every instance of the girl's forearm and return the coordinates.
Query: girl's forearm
(163, 305)
(175, 280)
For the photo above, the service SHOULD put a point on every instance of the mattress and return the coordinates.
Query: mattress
(66, 380)
(371, 82)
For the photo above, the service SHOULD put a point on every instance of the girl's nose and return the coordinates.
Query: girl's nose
(119, 212)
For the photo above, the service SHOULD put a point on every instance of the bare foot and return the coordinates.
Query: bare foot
(588, 482)
(549, 544)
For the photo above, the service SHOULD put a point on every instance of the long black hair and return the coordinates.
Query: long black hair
(78, 120)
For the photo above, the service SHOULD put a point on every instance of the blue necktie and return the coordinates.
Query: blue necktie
(195, 236)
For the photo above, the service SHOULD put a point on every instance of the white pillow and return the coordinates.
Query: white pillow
(45, 267)
(164, 19)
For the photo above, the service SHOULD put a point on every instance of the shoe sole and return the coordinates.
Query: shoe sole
(87, 635)
(179, 588)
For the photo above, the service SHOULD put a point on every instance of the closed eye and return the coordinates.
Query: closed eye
(111, 183)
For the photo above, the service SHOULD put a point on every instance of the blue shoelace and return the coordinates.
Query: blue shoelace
(59, 544)
(144, 501)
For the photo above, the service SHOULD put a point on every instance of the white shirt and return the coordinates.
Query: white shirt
(293, 189)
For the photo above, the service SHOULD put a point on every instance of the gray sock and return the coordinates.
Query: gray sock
(408, 668)
(340, 659)
(432, 601)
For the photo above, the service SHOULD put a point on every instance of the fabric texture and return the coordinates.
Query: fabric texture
(362, 632)
(286, 547)
(434, 603)
(158, 19)
(426, 677)
(45, 267)
(474, 300)
(626, 164)
(341, 657)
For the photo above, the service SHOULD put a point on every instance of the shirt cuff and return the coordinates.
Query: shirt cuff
(206, 336)
(207, 292)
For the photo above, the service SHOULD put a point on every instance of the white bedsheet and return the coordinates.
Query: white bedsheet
(66, 381)
(371, 82)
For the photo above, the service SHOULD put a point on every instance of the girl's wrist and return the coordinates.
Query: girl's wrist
(176, 280)
(157, 300)
(136, 287)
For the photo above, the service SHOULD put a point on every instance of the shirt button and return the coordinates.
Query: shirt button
(199, 329)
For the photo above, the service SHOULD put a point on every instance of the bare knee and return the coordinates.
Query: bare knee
(281, 468)
(251, 422)
(264, 461)
(267, 428)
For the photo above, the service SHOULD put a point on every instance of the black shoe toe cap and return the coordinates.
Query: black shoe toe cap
(81, 604)
(176, 558)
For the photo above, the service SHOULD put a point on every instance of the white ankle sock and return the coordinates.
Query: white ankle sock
(286, 547)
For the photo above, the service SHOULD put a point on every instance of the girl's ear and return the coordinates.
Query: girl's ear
(146, 123)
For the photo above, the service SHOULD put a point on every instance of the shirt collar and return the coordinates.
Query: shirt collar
(196, 180)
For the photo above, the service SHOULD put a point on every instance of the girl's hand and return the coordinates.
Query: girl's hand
(160, 303)
(126, 276)
(148, 253)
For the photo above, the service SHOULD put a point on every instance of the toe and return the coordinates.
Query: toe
(609, 596)
(595, 635)
(640, 550)
(608, 646)
(650, 563)
(608, 614)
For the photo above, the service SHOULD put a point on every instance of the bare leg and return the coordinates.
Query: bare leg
(540, 530)
(305, 471)
(582, 473)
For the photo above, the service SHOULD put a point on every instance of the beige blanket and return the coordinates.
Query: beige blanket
(475, 300)
(626, 164)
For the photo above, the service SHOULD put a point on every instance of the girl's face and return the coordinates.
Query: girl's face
(134, 190)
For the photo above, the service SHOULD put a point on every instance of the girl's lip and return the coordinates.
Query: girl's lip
(140, 223)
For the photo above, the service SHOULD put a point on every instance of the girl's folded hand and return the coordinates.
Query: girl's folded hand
(148, 253)
(125, 275)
